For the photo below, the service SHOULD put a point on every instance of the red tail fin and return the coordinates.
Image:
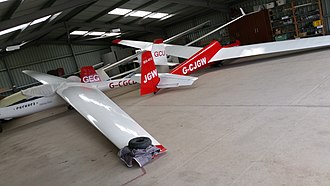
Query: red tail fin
(199, 60)
(149, 74)
(89, 75)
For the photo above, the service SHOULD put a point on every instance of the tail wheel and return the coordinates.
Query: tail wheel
(139, 143)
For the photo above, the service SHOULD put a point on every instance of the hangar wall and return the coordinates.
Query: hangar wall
(326, 14)
(47, 57)
(218, 19)
(248, 7)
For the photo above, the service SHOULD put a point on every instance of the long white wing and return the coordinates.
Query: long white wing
(272, 48)
(169, 80)
(253, 50)
(103, 113)
(241, 51)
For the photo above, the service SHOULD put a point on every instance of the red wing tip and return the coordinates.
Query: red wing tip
(162, 148)
(158, 41)
(116, 41)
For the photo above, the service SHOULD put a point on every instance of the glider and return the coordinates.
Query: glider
(199, 57)
(87, 98)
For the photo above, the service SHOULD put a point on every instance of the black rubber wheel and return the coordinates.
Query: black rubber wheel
(139, 143)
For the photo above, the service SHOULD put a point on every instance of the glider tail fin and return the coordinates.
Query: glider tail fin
(199, 60)
(149, 74)
(158, 52)
(89, 75)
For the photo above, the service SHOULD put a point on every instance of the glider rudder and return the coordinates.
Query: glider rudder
(149, 74)
(89, 75)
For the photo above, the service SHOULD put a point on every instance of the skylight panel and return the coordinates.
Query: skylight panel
(139, 13)
(96, 33)
(19, 27)
(24, 26)
(111, 34)
(157, 15)
(78, 32)
(55, 16)
(120, 11)
(40, 20)
(166, 17)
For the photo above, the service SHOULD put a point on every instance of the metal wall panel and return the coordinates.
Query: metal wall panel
(67, 64)
(21, 79)
(4, 80)
(85, 48)
(37, 54)
(48, 57)
(91, 58)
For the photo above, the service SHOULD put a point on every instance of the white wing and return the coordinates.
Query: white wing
(272, 47)
(169, 80)
(253, 50)
(103, 113)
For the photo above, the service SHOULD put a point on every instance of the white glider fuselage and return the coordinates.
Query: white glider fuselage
(30, 106)
(37, 104)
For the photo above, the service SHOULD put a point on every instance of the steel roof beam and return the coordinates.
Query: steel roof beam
(204, 3)
(44, 12)
(12, 10)
(104, 12)
(32, 36)
(18, 32)
(101, 25)
(158, 10)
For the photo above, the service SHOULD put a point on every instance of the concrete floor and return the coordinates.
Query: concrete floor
(263, 122)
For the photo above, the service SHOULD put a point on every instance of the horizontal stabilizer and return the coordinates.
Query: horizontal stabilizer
(172, 80)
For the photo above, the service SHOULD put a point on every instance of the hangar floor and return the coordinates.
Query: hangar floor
(263, 122)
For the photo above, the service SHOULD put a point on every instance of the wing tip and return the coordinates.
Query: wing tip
(161, 147)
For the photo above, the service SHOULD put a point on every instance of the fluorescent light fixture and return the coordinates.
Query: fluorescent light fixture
(96, 33)
(120, 11)
(166, 17)
(1, 1)
(157, 15)
(40, 20)
(19, 27)
(139, 13)
(78, 32)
